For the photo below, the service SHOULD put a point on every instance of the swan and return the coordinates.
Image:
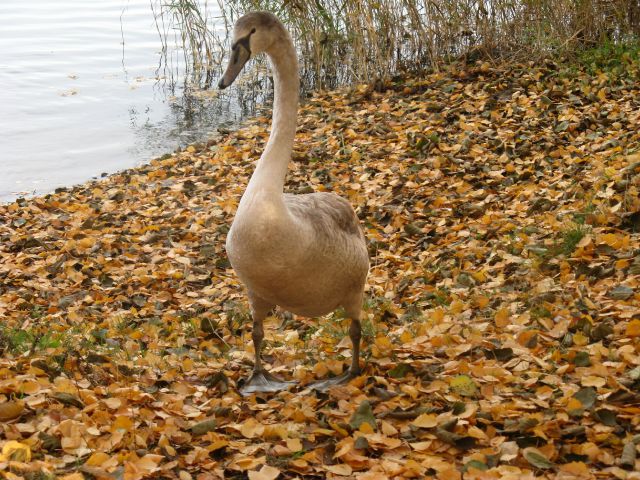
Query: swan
(305, 253)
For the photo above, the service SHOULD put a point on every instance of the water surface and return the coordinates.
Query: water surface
(83, 91)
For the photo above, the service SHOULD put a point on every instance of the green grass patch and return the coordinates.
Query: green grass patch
(18, 340)
(570, 238)
(610, 57)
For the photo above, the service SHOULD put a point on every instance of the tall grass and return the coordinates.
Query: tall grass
(344, 41)
(188, 22)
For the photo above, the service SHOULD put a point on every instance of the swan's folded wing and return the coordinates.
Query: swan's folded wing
(327, 213)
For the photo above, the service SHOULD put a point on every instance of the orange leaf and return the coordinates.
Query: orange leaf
(481, 301)
(502, 317)
(633, 328)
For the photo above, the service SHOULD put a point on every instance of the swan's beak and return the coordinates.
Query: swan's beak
(239, 56)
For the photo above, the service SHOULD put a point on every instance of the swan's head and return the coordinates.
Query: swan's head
(254, 33)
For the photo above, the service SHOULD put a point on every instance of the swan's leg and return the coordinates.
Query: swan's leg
(261, 380)
(355, 333)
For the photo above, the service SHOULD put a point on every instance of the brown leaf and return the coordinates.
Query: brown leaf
(11, 410)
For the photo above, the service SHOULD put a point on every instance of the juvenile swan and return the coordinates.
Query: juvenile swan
(305, 253)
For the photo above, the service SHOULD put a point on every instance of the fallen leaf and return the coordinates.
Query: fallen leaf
(426, 420)
(11, 410)
(267, 472)
(464, 385)
(363, 414)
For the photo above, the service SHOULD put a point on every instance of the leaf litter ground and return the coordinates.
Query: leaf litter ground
(502, 322)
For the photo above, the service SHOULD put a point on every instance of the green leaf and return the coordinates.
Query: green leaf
(361, 443)
(537, 459)
(606, 417)
(477, 464)
(204, 427)
(363, 414)
(464, 385)
(587, 397)
(68, 399)
(412, 229)
(582, 359)
(400, 370)
(634, 374)
(458, 407)
(621, 292)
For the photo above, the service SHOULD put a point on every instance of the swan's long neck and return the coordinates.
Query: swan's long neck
(272, 166)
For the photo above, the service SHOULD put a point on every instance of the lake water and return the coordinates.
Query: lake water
(81, 93)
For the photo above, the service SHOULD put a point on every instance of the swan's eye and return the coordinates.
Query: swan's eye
(253, 30)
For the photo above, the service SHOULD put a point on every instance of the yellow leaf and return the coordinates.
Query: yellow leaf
(320, 370)
(72, 476)
(437, 315)
(406, 336)
(456, 307)
(621, 264)
(245, 463)
(365, 428)
(613, 240)
(480, 276)
(580, 339)
(122, 423)
(421, 446)
(426, 420)
(148, 463)
(251, 428)
(294, 444)
(383, 347)
(97, 459)
(592, 381)
(463, 385)
(586, 240)
(579, 469)
(217, 445)
(16, 451)
(339, 429)
(29, 387)
(85, 242)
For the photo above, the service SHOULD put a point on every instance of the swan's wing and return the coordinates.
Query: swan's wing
(327, 213)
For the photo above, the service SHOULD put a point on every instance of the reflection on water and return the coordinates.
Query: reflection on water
(81, 93)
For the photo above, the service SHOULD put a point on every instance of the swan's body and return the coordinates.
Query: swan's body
(304, 253)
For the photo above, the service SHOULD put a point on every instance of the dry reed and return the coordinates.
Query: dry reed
(345, 41)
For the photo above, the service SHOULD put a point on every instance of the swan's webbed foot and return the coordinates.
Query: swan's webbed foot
(346, 377)
(262, 381)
